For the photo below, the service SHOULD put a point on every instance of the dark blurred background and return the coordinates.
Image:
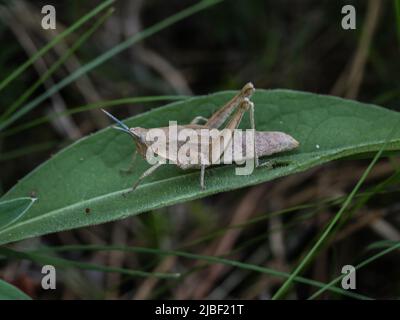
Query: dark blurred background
(275, 44)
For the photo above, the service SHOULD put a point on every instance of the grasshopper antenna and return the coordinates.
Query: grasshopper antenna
(121, 126)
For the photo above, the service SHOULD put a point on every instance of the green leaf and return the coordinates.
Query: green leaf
(82, 185)
(12, 210)
(9, 292)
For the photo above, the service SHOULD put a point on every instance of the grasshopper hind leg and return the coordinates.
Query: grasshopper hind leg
(253, 126)
(198, 119)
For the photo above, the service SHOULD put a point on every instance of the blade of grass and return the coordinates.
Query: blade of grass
(202, 5)
(20, 152)
(52, 43)
(96, 105)
(397, 14)
(307, 259)
(361, 201)
(210, 259)
(382, 244)
(65, 263)
(357, 267)
(78, 43)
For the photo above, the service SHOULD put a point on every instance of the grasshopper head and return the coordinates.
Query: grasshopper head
(139, 134)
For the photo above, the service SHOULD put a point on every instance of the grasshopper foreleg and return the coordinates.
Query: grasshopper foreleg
(129, 170)
(145, 174)
(203, 170)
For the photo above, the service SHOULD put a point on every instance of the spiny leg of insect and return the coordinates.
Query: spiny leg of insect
(245, 105)
(220, 116)
(130, 169)
(145, 174)
(237, 118)
(202, 173)
(253, 126)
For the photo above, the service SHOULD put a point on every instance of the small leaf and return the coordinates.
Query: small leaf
(9, 292)
(12, 210)
(82, 185)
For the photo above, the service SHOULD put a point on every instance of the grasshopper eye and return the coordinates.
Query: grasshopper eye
(137, 133)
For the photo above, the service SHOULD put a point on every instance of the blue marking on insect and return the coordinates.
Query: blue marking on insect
(122, 126)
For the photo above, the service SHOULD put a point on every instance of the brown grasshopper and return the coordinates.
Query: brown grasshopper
(265, 142)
